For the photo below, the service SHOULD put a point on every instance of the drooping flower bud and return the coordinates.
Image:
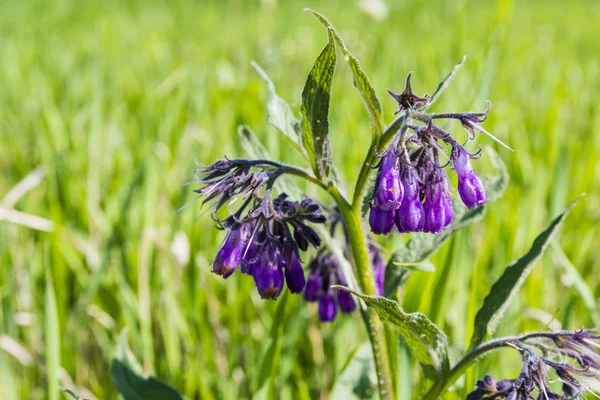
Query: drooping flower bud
(327, 308)
(268, 275)
(381, 221)
(470, 187)
(312, 292)
(345, 301)
(410, 217)
(435, 210)
(229, 255)
(294, 275)
(389, 191)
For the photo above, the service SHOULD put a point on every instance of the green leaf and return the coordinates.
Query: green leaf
(280, 114)
(315, 110)
(251, 145)
(427, 342)
(361, 81)
(127, 376)
(509, 283)
(357, 380)
(445, 82)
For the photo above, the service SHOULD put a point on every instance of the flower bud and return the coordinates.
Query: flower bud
(313, 288)
(294, 275)
(327, 308)
(470, 187)
(229, 255)
(345, 301)
(435, 210)
(471, 190)
(268, 275)
(389, 190)
(381, 221)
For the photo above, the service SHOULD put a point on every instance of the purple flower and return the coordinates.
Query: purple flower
(268, 275)
(312, 292)
(470, 187)
(381, 221)
(389, 191)
(345, 301)
(410, 217)
(327, 308)
(325, 272)
(438, 207)
(229, 255)
(294, 275)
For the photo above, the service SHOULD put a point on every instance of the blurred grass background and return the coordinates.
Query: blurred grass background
(112, 102)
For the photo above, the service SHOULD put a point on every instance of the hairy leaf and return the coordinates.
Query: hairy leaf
(427, 342)
(315, 110)
(361, 81)
(127, 376)
(280, 114)
(509, 283)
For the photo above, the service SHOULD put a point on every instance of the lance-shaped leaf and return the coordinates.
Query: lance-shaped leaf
(280, 114)
(509, 283)
(315, 110)
(427, 342)
(361, 81)
(126, 374)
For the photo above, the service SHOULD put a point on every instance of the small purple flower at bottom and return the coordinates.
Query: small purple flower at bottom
(325, 272)
(345, 301)
(294, 275)
(378, 267)
(381, 221)
(327, 308)
(268, 275)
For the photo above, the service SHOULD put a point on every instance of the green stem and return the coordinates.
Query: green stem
(360, 253)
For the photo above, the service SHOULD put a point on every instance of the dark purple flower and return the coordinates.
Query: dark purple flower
(294, 275)
(327, 308)
(470, 187)
(229, 255)
(389, 191)
(268, 275)
(312, 292)
(325, 272)
(345, 301)
(381, 221)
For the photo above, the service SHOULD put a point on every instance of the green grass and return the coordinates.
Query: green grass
(116, 100)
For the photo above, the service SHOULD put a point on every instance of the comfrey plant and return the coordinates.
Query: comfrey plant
(270, 227)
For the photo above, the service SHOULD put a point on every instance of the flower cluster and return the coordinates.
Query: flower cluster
(325, 271)
(569, 358)
(264, 235)
(412, 191)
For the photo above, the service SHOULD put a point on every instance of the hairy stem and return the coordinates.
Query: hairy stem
(375, 328)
